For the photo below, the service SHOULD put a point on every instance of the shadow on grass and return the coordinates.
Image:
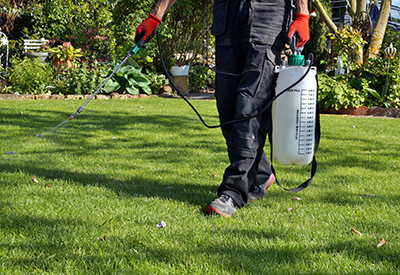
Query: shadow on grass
(136, 186)
(133, 131)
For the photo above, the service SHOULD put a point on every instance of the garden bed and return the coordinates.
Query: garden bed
(365, 111)
(65, 97)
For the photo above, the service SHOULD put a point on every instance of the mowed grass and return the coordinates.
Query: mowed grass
(105, 179)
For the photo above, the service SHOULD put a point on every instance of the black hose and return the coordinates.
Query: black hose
(311, 57)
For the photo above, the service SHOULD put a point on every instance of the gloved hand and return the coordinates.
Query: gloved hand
(146, 30)
(300, 25)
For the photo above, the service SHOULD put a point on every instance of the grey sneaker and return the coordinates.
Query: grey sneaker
(224, 206)
(258, 191)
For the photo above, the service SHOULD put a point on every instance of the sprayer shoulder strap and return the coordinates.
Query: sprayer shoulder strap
(317, 136)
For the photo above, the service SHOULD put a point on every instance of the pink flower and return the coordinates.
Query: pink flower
(66, 45)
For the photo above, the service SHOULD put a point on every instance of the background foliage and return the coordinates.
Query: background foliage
(88, 25)
(81, 79)
(31, 77)
(365, 83)
(318, 37)
(104, 30)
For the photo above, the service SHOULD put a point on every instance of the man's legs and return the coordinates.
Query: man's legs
(246, 54)
(246, 139)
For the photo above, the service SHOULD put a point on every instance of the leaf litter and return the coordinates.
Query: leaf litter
(382, 242)
(161, 224)
(355, 231)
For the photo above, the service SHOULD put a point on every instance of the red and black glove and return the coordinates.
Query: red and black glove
(146, 30)
(300, 25)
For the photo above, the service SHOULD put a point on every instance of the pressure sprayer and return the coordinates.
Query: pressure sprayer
(295, 116)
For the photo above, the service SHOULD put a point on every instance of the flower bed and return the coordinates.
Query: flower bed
(66, 97)
(365, 111)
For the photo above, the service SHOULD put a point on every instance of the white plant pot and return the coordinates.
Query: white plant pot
(180, 70)
(39, 55)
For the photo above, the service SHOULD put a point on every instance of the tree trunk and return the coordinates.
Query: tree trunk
(353, 8)
(361, 6)
(325, 17)
(380, 29)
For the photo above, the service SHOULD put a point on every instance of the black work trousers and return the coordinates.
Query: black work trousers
(250, 35)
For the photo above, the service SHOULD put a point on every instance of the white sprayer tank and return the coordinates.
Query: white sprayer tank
(293, 116)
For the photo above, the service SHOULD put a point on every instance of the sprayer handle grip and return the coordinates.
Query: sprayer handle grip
(135, 48)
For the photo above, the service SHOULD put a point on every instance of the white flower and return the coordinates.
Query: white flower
(3, 41)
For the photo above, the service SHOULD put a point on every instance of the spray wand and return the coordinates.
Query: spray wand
(134, 50)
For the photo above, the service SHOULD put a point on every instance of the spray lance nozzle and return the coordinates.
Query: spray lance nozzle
(80, 109)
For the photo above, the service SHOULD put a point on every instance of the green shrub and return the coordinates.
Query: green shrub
(157, 81)
(393, 94)
(336, 93)
(81, 79)
(378, 73)
(200, 77)
(375, 83)
(29, 76)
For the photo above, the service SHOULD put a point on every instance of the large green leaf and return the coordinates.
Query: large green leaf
(374, 93)
(126, 70)
(132, 82)
(132, 90)
(142, 80)
(111, 86)
(133, 63)
(147, 90)
(135, 66)
(120, 79)
(118, 74)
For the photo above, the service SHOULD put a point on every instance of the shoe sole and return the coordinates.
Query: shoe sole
(270, 181)
(214, 210)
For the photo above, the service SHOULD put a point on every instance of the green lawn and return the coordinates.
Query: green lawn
(108, 177)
